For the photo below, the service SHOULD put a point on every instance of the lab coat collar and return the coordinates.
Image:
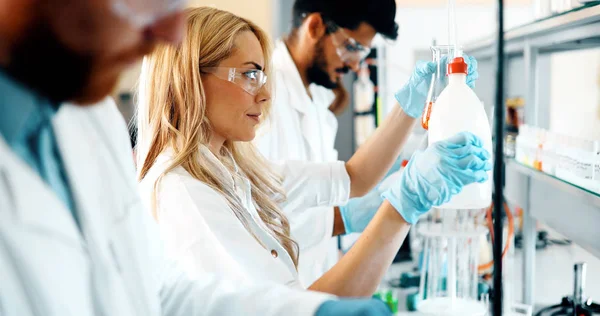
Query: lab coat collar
(78, 151)
(22, 109)
(79, 148)
(285, 66)
(218, 165)
(215, 164)
(242, 188)
(298, 97)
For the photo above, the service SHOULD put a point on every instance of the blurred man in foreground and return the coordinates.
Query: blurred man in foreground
(74, 239)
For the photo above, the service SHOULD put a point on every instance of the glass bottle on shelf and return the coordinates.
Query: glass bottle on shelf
(364, 90)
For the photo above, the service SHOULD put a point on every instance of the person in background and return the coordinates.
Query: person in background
(329, 38)
(74, 237)
(220, 205)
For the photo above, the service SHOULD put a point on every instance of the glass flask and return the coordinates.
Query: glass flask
(441, 56)
(449, 274)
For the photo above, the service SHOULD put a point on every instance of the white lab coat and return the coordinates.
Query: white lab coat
(301, 128)
(117, 268)
(202, 232)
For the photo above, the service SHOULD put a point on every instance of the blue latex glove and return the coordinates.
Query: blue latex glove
(353, 307)
(359, 211)
(413, 95)
(433, 176)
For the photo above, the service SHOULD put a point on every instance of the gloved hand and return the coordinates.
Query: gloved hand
(436, 174)
(359, 211)
(413, 95)
(353, 307)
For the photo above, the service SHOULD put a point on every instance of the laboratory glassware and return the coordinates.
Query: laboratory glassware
(449, 274)
(441, 55)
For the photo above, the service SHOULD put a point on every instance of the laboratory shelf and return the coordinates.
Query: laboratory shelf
(575, 29)
(571, 210)
(576, 191)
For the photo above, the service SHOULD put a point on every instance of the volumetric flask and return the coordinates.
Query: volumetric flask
(441, 55)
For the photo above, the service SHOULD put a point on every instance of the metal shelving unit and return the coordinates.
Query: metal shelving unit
(575, 29)
(570, 210)
(572, 191)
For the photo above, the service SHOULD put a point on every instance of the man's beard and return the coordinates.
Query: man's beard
(41, 62)
(317, 72)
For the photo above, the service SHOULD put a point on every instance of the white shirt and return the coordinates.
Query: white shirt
(202, 232)
(302, 128)
(115, 265)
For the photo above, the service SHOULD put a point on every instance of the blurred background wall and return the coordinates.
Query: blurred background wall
(421, 23)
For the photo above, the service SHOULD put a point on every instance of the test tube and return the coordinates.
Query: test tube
(451, 280)
(464, 260)
(424, 264)
(474, 262)
(432, 271)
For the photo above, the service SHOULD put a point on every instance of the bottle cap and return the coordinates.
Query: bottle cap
(458, 66)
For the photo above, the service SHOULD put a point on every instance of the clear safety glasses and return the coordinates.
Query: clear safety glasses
(141, 13)
(251, 80)
(349, 50)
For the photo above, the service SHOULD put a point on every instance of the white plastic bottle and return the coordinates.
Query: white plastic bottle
(364, 91)
(519, 148)
(458, 109)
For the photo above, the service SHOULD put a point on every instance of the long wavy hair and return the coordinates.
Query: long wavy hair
(172, 115)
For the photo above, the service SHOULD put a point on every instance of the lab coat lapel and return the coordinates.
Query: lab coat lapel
(43, 211)
(79, 149)
(37, 214)
(82, 149)
(243, 188)
(299, 99)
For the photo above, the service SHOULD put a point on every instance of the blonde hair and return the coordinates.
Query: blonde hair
(172, 115)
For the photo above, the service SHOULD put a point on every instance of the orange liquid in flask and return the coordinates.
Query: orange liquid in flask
(426, 115)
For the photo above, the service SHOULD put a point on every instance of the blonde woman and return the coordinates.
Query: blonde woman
(222, 208)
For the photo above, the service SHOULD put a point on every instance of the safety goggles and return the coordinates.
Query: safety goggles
(141, 13)
(349, 50)
(251, 80)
